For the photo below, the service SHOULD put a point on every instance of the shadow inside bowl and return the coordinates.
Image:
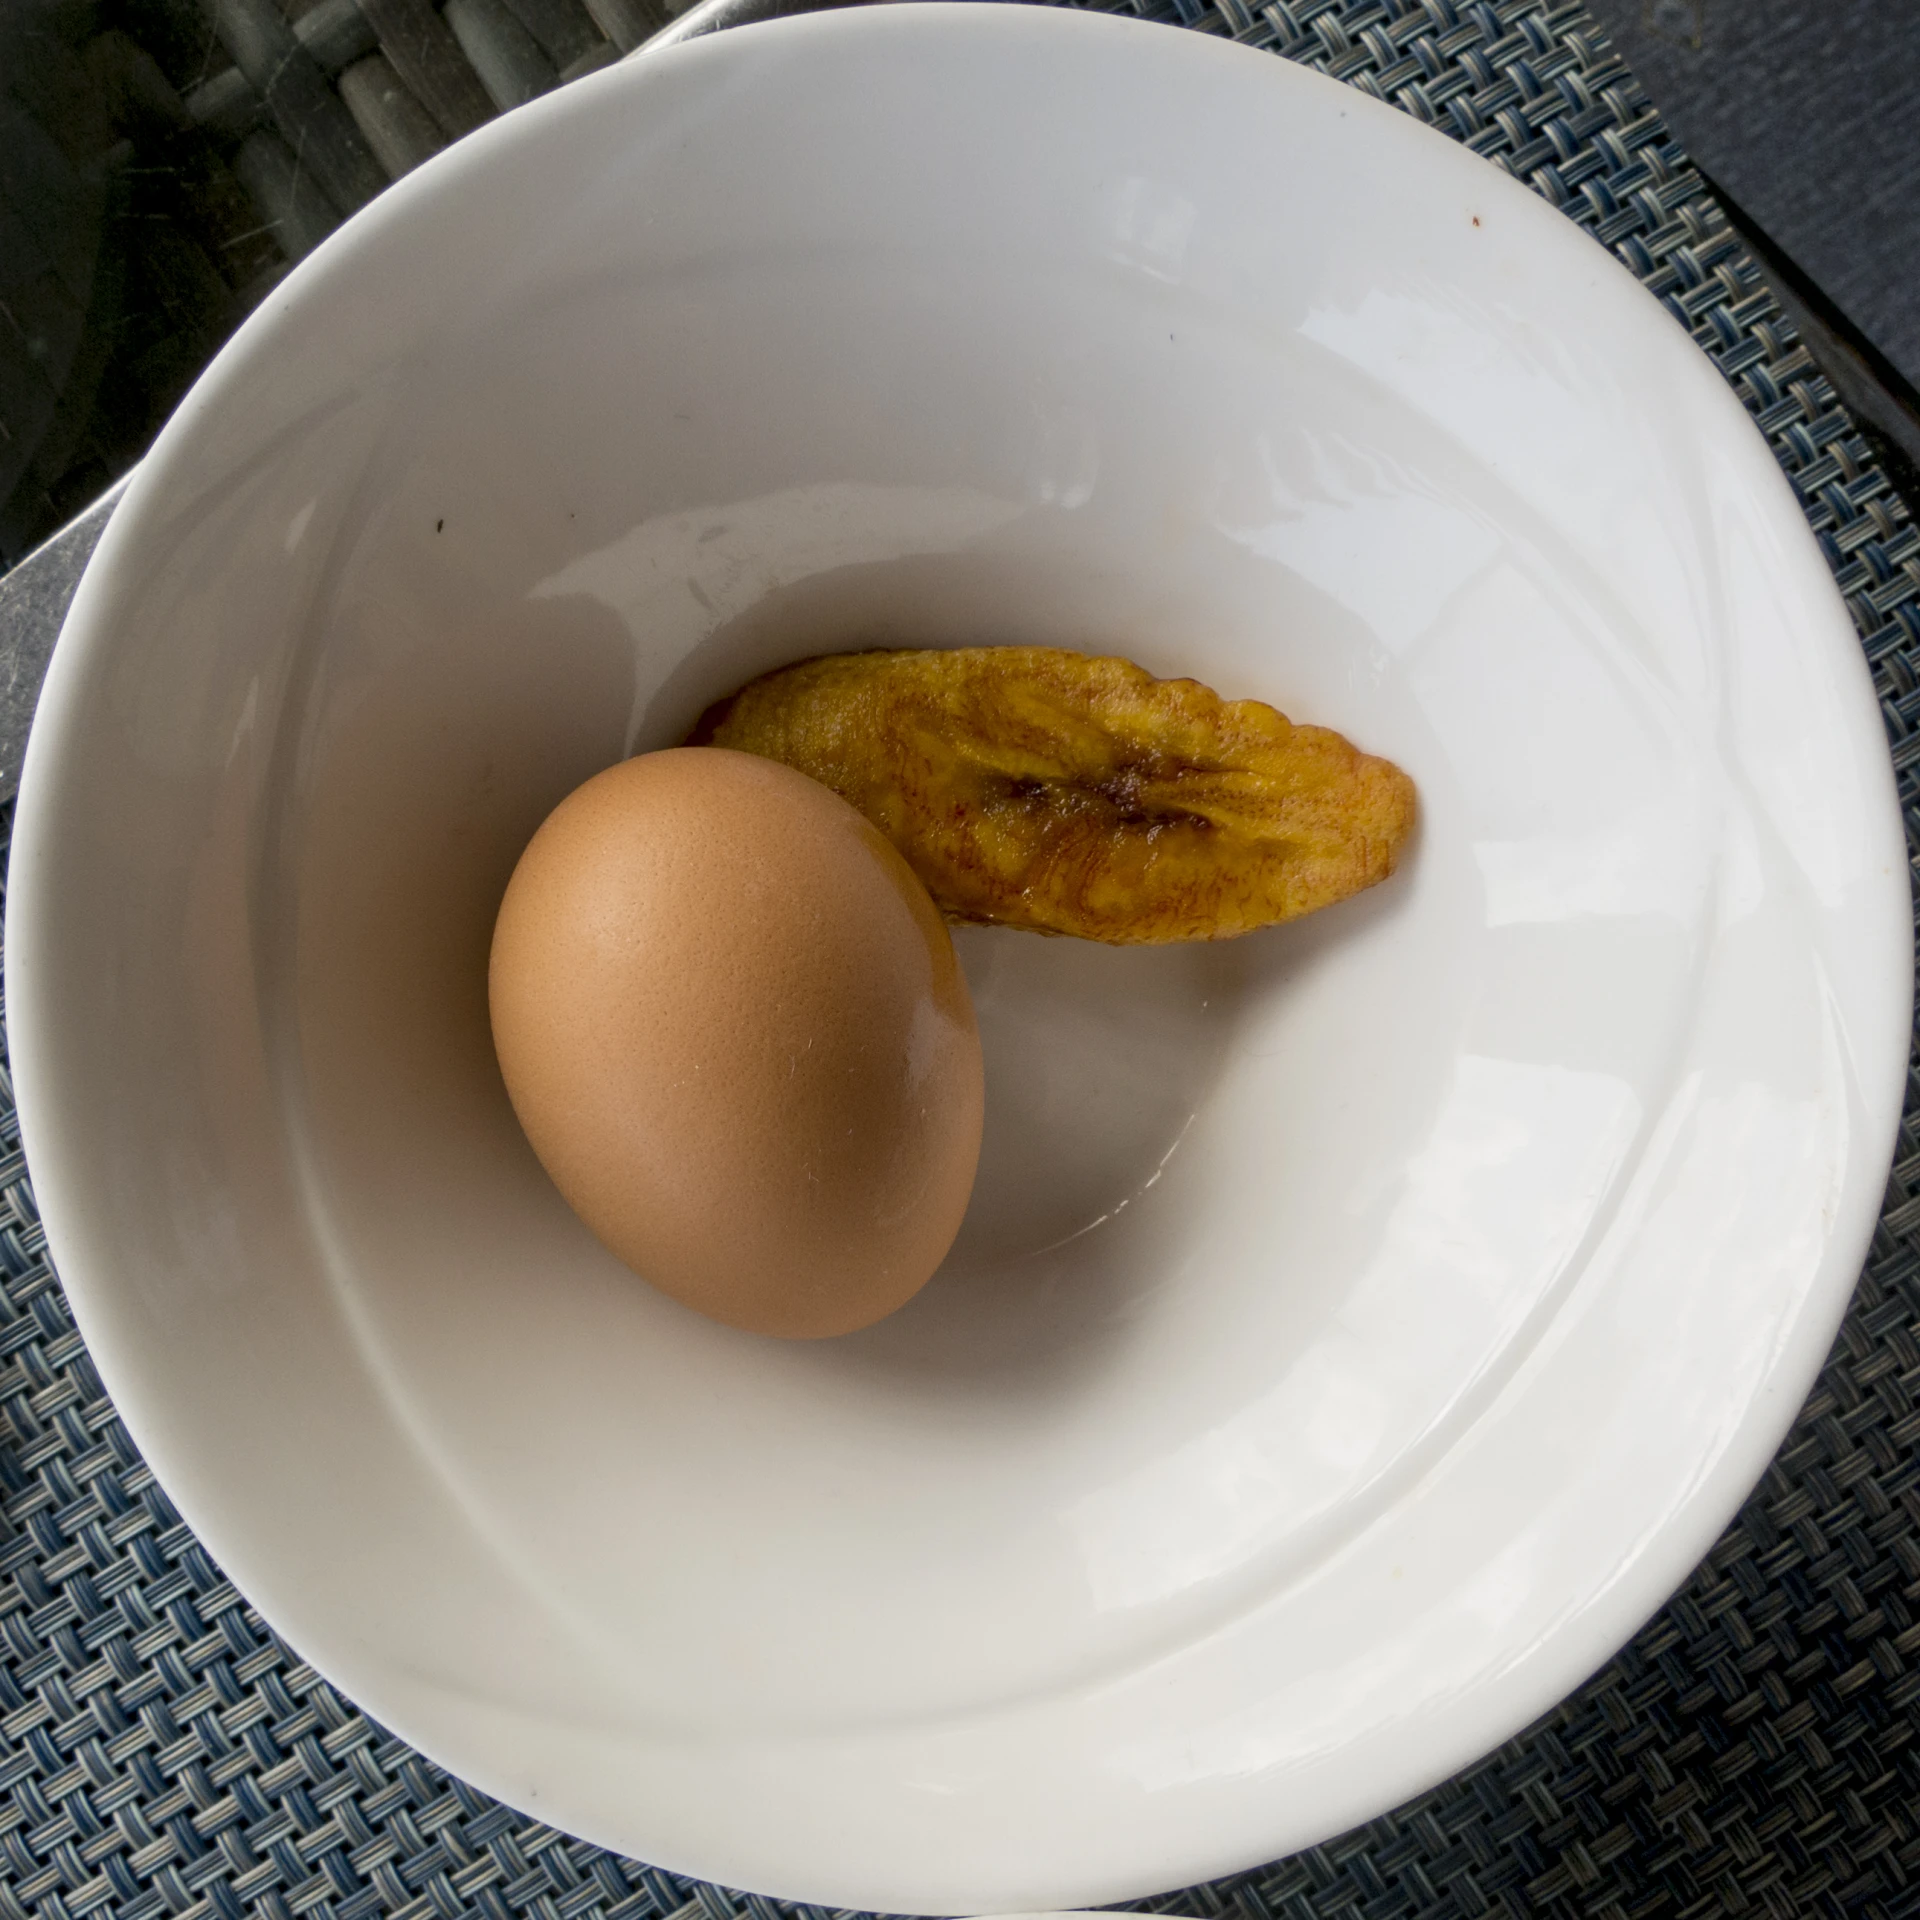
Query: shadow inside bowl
(1099, 1059)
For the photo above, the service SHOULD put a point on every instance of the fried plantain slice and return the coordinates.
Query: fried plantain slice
(1033, 787)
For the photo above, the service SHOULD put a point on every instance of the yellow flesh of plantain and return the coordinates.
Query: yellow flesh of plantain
(1067, 794)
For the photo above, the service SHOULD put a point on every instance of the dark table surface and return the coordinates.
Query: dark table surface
(1802, 114)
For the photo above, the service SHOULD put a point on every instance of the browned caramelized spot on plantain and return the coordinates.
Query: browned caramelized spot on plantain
(1033, 787)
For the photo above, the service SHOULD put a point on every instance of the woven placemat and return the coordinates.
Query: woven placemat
(1752, 1750)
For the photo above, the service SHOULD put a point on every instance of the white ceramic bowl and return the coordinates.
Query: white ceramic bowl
(1360, 1327)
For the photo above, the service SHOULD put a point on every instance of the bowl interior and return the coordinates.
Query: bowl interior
(728, 362)
(1310, 1182)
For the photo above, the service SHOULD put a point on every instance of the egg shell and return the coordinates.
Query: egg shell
(732, 1024)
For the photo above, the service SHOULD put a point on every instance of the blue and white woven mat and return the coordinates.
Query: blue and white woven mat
(1752, 1752)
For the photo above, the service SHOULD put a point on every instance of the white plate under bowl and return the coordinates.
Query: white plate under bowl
(1360, 1328)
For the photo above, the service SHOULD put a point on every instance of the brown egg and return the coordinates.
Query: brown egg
(732, 1024)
